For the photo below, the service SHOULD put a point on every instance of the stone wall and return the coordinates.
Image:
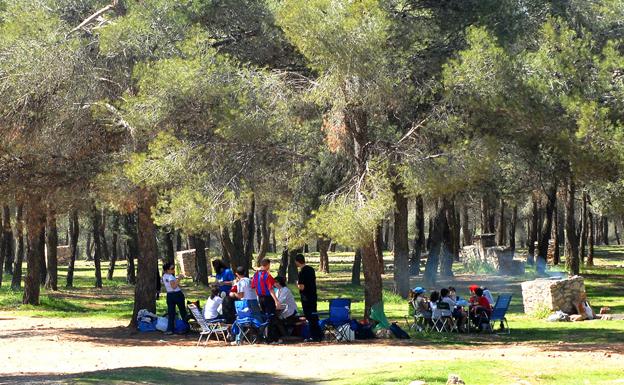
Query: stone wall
(185, 261)
(552, 294)
(499, 258)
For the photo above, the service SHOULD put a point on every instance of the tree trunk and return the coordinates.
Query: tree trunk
(605, 230)
(7, 239)
(249, 230)
(74, 232)
(201, 268)
(446, 257)
(419, 236)
(465, 226)
(386, 235)
(238, 256)
(147, 269)
(401, 244)
(16, 280)
(379, 248)
(132, 246)
(590, 239)
(533, 230)
(500, 228)
(584, 229)
(356, 269)
(263, 230)
(178, 239)
(169, 248)
(115, 248)
(436, 234)
(105, 250)
(89, 247)
(323, 248)
(35, 230)
(512, 228)
(373, 287)
(546, 229)
(571, 244)
(484, 215)
(292, 267)
(227, 247)
(283, 267)
(51, 244)
(617, 233)
(96, 223)
(555, 236)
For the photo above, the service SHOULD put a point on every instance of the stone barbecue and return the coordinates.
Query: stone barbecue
(500, 258)
(185, 261)
(552, 294)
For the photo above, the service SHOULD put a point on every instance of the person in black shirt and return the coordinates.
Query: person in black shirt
(307, 289)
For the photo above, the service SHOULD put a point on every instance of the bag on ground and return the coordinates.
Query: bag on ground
(398, 332)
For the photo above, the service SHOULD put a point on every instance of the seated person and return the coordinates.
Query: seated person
(473, 296)
(439, 313)
(488, 295)
(453, 294)
(212, 309)
(420, 302)
(287, 311)
(433, 301)
(480, 308)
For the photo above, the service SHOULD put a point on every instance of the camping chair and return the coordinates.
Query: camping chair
(339, 315)
(250, 325)
(418, 319)
(444, 323)
(499, 312)
(208, 328)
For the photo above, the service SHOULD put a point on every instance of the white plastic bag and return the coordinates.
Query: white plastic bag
(161, 324)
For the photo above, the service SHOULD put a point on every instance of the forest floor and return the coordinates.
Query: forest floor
(79, 336)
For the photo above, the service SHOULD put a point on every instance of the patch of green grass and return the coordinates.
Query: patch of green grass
(473, 371)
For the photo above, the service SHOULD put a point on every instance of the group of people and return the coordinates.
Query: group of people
(272, 294)
(446, 303)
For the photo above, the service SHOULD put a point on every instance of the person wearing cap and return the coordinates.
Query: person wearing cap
(422, 304)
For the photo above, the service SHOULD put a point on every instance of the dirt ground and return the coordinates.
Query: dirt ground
(33, 350)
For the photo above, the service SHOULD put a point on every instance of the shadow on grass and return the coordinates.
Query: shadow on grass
(154, 375)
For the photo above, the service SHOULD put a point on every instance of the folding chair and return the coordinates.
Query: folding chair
(339, 315)
(418, 319)
(208, 328)
(250, 324)
(445, 322)
(499, 312)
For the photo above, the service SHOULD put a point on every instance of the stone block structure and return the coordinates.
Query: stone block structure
(552, 294)
(186, 262)
(499, 258)
(62, 255)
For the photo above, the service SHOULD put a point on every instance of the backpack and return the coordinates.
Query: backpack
(398, 332)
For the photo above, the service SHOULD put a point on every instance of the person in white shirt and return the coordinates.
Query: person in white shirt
(488, 295)
(243, 286)
(175, 297)
(438, 313)
(212, 310)
(286, 298)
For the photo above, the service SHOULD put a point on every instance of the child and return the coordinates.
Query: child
(212, 310)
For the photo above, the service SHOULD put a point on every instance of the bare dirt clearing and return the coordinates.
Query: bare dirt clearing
(38, 350)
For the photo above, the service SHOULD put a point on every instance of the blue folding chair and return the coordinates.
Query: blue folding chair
(250, 324)
(500, 310)
(339, 315)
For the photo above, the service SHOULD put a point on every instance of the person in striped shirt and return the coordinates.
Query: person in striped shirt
(263, 283)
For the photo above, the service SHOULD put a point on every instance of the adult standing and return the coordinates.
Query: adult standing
(175, 297)
(307, 290)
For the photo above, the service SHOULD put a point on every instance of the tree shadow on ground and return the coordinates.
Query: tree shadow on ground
(155, 375)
